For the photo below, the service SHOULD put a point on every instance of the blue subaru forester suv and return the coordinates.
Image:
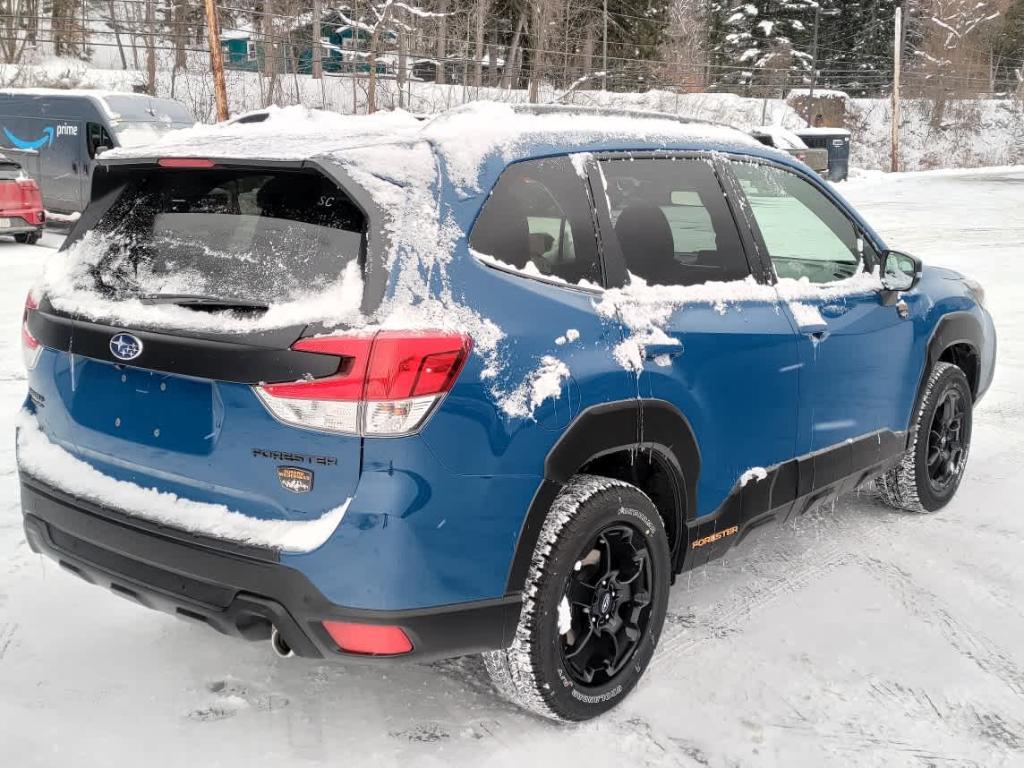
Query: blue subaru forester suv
(375, 389)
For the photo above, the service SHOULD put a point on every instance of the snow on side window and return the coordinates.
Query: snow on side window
(538, 220)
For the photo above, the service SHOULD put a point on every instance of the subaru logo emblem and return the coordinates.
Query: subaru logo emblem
(124, 346)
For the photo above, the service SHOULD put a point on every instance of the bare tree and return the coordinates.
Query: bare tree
(384, 25)
(18, 19)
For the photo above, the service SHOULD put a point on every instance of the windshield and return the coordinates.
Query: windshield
(257, 235)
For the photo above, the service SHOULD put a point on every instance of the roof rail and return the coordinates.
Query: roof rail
(640, 114)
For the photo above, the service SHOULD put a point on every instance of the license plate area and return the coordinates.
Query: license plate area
(147, 407)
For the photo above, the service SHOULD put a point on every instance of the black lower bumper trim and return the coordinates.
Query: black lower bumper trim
(236, 593)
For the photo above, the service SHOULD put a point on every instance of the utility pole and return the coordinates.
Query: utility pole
(814, 62)
(150, 49)
(216, 58)
(318, 67)
(894, 165)
(604, 50)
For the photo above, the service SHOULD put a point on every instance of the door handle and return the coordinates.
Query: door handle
(833, 310)
(652, 351)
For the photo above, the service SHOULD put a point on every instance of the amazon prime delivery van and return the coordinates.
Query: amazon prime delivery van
(56, 134)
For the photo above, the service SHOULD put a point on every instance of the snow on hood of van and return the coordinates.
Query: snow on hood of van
(467, 136)
(49, 462)
(288, 133)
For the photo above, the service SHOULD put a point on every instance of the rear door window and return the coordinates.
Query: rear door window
(672, 222)
(266, 236)
(539, 219)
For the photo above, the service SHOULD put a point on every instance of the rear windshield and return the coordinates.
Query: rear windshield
(9, 170)
(265, 236)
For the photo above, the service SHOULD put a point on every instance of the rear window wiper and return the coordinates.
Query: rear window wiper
(207, 303)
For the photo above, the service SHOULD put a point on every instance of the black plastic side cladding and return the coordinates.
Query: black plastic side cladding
(791, 489)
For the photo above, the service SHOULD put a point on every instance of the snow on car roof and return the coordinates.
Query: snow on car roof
(465, 137)
(288, 133)
(468, 135)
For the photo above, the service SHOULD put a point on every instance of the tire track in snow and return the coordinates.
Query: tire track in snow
(929, 608)
(967, 716)
(785, 575)
(854, 744)
(7, 632)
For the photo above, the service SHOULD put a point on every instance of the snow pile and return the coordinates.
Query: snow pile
(754, 473)
(806, 315)
(40, 458)
(543, 382)
(645, 309)
(817, 93)
(531, 270)
(564, 617)
(570, 336)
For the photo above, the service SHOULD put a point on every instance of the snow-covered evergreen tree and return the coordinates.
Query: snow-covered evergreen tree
(761, 43)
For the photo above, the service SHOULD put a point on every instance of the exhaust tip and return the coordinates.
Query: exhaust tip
(280, 646)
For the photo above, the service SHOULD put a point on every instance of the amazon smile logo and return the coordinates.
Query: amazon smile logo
(50, 133)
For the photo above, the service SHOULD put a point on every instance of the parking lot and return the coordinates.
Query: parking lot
(853, 636)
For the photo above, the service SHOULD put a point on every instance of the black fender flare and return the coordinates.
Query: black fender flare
(953, 328)
(654, 425)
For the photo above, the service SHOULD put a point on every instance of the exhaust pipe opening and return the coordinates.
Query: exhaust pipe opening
(280, 646)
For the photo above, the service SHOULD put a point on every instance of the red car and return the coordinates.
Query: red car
(21, 203)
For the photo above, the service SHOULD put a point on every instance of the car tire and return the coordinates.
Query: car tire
(931, 470)
(606, 534)
(28, 238)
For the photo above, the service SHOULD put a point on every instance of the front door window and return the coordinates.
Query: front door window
(807, 236)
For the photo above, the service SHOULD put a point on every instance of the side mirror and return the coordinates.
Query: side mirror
(900, 271)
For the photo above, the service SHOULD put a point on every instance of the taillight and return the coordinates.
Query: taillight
(369, 639)
(387, 383)
(31, 349)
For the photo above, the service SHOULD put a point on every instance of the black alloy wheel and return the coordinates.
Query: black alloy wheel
(946, 443)
(606, 597)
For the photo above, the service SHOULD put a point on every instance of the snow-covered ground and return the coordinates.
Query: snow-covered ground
(854, 637)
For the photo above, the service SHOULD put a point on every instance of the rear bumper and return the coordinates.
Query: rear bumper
(21, 224)
(240, 591)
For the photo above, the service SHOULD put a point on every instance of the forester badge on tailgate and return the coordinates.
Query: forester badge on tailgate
(295, 479)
